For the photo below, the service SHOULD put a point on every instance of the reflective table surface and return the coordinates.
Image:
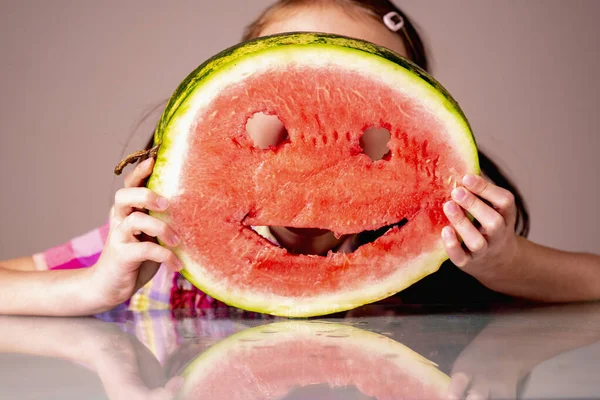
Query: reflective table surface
(374, 352)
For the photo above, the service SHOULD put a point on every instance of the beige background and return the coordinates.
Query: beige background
(76, 77)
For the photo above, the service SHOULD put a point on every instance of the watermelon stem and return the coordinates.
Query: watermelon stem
(140, 155)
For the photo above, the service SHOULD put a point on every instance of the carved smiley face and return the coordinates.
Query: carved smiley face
(268, 132)
(317, 143)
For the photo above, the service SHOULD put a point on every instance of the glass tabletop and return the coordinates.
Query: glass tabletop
(384, 351)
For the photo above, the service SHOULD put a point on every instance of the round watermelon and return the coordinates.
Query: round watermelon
(316, 359)
(326, 91)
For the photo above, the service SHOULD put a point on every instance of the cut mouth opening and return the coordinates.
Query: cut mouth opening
(313, 234)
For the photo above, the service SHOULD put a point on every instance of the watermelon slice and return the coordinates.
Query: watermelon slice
(327, 91)
(299, 359)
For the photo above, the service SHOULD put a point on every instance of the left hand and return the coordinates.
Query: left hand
(487, 252)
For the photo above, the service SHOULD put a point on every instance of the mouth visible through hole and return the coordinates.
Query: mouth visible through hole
(306, 235)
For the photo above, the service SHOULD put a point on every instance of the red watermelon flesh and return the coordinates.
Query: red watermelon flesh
(348, 193)
(272, 361)
(319, 178)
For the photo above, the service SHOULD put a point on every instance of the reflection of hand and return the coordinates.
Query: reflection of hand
(507, 349)
(487, 368)
(127, 369)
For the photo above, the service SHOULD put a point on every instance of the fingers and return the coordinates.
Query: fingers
(501, 199)
(458, 386)
(470, 235)
(479, 390)
(136, 253)
(174, 384)
(493, 209)
(137, 223)
(141, 172)
(491, 221)
(457, 254)
(129, 199)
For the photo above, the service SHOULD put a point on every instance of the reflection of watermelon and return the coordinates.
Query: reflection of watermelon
(327, 91)
(309, 360)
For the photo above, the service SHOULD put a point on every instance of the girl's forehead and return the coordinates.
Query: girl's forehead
(335, 21)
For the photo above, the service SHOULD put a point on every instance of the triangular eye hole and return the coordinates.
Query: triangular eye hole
(374, 142)
(266, 131)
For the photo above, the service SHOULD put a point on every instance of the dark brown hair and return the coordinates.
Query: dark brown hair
(417, 53)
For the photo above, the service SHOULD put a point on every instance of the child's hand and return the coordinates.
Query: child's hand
(489, 251)
(131, 255)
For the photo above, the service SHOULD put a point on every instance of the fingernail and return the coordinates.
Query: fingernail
(146, 162)
(162, 203)
(469, 180)
(175, 240)
(446, 232)
(451, 207)
(459, 194)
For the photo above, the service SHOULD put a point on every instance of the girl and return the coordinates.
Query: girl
(116, 265)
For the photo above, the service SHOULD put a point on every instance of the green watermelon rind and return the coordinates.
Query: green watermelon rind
(237, 52)
(179, 106)
(407, 359)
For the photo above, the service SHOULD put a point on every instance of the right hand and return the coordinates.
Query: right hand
(131, 254)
